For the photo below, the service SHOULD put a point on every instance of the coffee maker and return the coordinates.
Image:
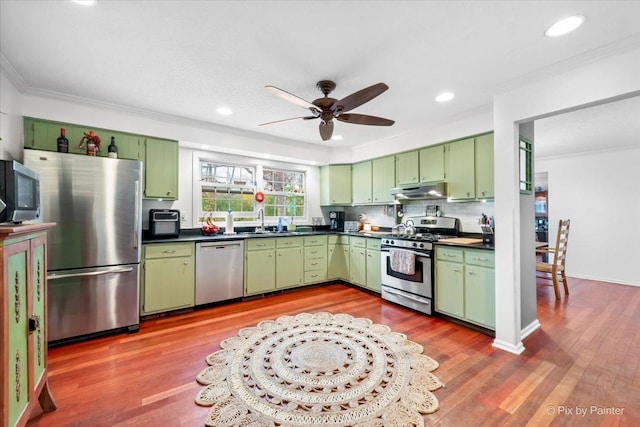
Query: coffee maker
(336, 221)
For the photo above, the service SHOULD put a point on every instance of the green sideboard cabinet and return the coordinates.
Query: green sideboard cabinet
(24, 375)
(159, 156)
(168, 278)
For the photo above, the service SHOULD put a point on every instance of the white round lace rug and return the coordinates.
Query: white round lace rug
(318, 369)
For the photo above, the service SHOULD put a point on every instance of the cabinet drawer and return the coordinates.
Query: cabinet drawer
(315, 264)
(315, 240)
(168, 250)
(358, 242)
(315, 252)
(483, 258)
(450, 254)
(338, 239)
(259, 244)
(314, 276)
(288, 242)
(374, 244)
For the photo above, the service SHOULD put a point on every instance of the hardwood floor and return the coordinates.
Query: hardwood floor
(585, 357)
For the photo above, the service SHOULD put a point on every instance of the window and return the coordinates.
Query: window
(226, 188)
(284, 193)
(526, 166)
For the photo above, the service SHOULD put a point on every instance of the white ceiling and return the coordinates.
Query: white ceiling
(186, 58)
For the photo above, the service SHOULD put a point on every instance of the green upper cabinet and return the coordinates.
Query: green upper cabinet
(383, 177)
(361, 182)
(432, 164)
(160, 156)
(461, 169)
(407, 168)
(335, 185)
(160, 169)
(484, 166)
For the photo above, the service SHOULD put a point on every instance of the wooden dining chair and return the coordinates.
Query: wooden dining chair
(554, 269)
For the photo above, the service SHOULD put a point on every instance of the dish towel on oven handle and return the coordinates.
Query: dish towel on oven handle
(403, 261)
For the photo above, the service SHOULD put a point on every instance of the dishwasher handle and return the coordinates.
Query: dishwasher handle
(220, 245)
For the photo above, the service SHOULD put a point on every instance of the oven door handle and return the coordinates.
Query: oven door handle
(420, 254)
(408, 296)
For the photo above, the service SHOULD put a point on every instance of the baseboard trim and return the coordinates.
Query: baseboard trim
(503, 345)
(527, 330)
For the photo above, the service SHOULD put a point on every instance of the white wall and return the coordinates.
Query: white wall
(600, 193)
(605, 78)
(10, 120)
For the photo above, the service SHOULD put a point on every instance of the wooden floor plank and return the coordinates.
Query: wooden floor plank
(586, 354)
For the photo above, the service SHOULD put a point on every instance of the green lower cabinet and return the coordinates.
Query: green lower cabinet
(465, 284)
(289, 267)
(260, 272)
(374, 278)
(168, 280)
(338, 259)
(315, 259)
(358, 261)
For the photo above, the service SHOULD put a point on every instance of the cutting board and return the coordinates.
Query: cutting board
(461, 240)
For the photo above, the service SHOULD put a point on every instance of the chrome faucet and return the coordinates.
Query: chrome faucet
(261, 218)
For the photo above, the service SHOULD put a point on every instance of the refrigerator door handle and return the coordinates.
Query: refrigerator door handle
(54, 276)
(136, 225)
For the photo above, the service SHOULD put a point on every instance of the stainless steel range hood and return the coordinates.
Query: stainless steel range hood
(420, 191)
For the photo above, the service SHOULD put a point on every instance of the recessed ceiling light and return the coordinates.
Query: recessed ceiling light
(565, 26)
(445, 96)
(336, 138)
(86, 2)
(224, 111)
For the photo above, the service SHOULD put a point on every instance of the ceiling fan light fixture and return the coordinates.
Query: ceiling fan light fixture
(565, 26)
(445, 97)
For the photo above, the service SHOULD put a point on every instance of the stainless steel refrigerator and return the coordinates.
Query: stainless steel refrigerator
(94, 249)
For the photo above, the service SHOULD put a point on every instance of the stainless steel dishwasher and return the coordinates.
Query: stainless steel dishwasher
(219, 271)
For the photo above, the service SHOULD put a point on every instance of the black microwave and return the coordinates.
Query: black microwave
(19, 192)
(164, 223)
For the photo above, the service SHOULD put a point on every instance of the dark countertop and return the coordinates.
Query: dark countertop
(196, 235)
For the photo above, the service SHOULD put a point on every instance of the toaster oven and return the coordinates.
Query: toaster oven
(164, 223)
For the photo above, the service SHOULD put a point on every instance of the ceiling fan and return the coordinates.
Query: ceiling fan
(326, 109)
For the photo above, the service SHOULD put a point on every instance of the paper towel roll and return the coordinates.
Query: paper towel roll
(229, 225)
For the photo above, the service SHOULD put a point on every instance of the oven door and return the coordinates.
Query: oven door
(418, 283)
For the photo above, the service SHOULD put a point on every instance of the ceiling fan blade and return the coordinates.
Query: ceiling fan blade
(326, 130)
(362, 119)
(289, 120)
(358, 98)
(292, 98)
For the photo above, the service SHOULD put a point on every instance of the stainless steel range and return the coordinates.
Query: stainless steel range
(407, 268)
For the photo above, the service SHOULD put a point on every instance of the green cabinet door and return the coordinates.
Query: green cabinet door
(43, 135)
(38, 279)
(484, 166)
(335, 185)
(374, 278)
(383, 178)
(338, 262)
(17, 356)
(450, 288)
(461, 169)
(361, 182)
(260, 271)
(358, 266)
(160, 169)
(168, 280)
(289, 264)
(432, 164)
(407, 168)
(479, 295)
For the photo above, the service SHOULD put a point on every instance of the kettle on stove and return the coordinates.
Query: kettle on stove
(410, 228)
